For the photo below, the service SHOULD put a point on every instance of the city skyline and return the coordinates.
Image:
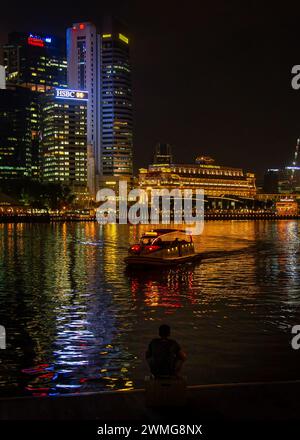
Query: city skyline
(240, 82)
(91, 59)
(149, 218)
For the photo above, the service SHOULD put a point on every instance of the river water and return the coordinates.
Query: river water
(77, 321)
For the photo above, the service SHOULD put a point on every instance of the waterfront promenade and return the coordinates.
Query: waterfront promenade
(273, 401)
(47, 218)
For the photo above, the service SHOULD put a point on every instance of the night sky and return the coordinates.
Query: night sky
(211, 78)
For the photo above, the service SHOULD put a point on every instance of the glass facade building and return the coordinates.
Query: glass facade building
(17, 122)
(64, 138)
(116, 101)
(215, 180)
(34, 61)
(99, 62)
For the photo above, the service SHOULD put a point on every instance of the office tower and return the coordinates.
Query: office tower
(205, 160)
(34, 61)
(16, 128)
(64, 138)
(294, 169)
(282, 180)
(37, 63)
(99, 63)
(163, 154)
(271, 181)
(116, 101)
(91, 177)
(83, 55)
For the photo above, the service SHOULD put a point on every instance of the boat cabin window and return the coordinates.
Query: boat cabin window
(147, 240)
(171, 237)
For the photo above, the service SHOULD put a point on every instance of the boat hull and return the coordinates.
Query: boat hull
(137, 260)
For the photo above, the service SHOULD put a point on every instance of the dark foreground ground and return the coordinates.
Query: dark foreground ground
(231, 402)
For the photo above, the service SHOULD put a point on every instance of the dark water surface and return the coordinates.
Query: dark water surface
(76, 321)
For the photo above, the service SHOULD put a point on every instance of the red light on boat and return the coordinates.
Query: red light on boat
(81, 26)
(35, 42)
(152, 248)
(136, 247)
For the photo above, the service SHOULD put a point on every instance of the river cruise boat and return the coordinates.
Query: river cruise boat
(162, 247)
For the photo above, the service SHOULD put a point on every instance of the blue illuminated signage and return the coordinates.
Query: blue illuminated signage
(79, 95)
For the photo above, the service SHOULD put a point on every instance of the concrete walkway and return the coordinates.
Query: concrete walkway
(224, 402)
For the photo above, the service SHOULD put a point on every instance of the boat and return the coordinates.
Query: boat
(162, 247)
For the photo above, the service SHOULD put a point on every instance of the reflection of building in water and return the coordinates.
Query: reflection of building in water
(281, 269)
(163, 288)
(67, 314)
(178, 288)
(215, 180)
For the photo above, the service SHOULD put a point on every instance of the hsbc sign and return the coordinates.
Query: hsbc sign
(79, 95)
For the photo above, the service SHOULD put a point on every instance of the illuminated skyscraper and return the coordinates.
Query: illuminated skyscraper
(83, 55)
(34, 61)
(15, 133)
(2, 78)
(116, 101)
(37, 63)
(64, 138)
(99, 63)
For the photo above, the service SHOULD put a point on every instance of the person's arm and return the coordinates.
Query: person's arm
(181, 355)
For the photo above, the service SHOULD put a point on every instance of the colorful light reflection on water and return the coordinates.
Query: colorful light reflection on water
(77, 321)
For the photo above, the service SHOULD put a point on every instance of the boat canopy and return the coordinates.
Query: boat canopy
(166, 235)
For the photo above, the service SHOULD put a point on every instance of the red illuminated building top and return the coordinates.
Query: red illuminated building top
(33, 41)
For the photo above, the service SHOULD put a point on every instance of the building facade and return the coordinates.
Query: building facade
(16, 126)
(271, 181)
(64, 138)
(83, 56)
(287, 206)
(282, 180)
(216, 181)
(34, 61)
(163, 154)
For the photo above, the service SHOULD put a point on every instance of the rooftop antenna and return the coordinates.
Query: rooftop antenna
(294, 163)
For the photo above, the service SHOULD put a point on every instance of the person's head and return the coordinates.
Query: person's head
(164, 331)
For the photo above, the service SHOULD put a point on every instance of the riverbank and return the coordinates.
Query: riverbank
(48, 218)
(274, 401)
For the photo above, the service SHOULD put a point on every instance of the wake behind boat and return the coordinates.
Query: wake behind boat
(162, 247)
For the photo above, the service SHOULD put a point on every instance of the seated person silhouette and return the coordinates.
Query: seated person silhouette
(164, 355)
